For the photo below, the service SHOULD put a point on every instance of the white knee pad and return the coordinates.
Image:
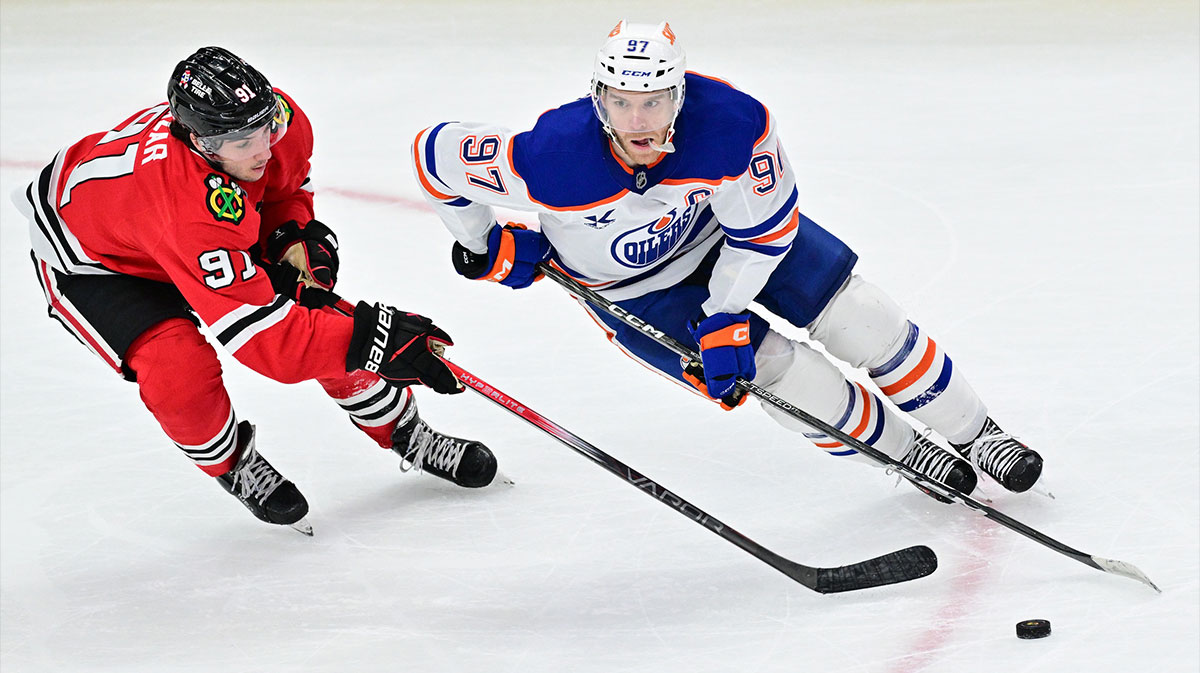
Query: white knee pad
(800, 375)
(804, 377)
(861, 325)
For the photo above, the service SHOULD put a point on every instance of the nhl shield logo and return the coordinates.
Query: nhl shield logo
(640, 180)
(225, 199)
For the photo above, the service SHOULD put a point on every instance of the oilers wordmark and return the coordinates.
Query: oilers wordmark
(653, 241)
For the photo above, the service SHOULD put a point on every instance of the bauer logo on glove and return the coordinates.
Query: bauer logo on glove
(401, 347)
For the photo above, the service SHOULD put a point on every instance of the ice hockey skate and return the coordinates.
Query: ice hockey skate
(940, 465)
(260, 487)
(464, 462)
(1003, 458)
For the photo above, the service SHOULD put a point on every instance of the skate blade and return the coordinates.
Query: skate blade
(1042, 488)
(501, 479)
(303, 526)
(1043, 492)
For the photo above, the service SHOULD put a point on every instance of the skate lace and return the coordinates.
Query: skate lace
(995, 451)
(256, 478)
(929, 458)
(427, 447)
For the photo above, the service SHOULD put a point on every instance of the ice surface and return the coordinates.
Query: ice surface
(1022, 176)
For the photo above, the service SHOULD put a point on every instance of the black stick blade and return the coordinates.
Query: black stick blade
(898, 566)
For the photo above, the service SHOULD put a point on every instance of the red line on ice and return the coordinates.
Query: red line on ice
(374, 197)
(960, 599)
(15, 163)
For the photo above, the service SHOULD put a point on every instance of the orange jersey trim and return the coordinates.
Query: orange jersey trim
(791, 226)
(587, 206)
(421, 170)
(766, 132)
(688, 181)
(715, 79)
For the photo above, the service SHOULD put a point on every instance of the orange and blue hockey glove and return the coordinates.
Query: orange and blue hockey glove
(725, 351)
(512, 257)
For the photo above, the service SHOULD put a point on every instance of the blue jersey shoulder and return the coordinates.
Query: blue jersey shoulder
(562, 158)
(566, 162)
(717, 129)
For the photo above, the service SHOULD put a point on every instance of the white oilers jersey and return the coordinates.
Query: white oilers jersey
(620, 230)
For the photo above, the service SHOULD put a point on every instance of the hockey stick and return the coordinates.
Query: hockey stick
(899, 566)
(1113, 566)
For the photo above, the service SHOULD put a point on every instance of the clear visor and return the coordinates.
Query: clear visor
(248, 142)
(636, 111)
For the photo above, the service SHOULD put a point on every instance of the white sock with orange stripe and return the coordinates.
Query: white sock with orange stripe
(865, 328)
(921, 379)
(804, 377)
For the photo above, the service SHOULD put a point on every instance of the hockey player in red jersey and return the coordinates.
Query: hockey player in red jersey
(200, 210)
(669, 193)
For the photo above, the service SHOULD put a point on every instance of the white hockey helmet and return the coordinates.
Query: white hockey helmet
(639, 57)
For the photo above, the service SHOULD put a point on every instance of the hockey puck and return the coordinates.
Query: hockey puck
(1033, 628)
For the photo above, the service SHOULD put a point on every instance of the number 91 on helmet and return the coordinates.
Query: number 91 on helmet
(227, 105)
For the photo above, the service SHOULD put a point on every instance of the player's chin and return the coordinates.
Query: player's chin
(253, 174)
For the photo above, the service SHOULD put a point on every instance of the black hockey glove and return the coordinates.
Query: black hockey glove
(694, 374)
(285, 280)
(316, 255)
(399, 347)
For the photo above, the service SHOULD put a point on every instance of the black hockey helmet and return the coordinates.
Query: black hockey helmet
(216, 95)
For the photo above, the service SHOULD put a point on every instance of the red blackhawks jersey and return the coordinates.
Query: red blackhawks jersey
(136, 200)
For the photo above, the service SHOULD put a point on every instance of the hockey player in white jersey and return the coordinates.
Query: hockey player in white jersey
(669, 193)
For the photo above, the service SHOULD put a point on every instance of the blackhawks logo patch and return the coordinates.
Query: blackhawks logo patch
(283, 111)
(225, 200)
